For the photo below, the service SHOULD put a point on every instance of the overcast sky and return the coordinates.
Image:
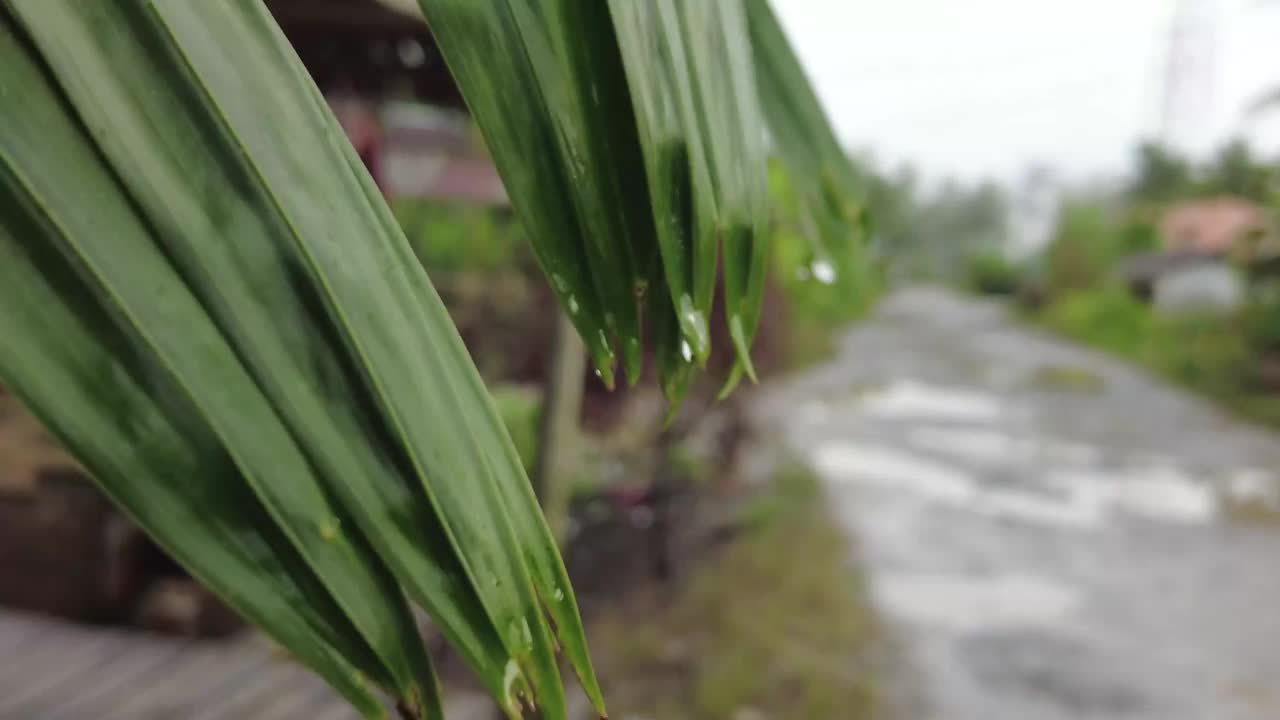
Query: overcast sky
(989, 87)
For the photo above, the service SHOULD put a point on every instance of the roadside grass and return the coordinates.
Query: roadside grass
(1210, 356)
(774, 625)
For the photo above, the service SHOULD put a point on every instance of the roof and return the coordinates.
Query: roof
(376, 48)
(1214, 225)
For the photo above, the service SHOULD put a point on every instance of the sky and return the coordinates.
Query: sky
(989, 88)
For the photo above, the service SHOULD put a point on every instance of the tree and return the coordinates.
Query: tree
(206, 299)
(1235, 171)
(1162, 175)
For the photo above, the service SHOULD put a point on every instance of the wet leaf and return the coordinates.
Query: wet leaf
(102, 371)
(232, 228)
(484, 43)
(824, 179)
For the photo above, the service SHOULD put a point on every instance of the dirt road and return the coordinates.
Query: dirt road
(1050, 533)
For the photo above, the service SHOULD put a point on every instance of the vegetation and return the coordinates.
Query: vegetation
(207, 300)
(1217, 356)
(1164, 176)
(757, 634)
(993, 273)
(454, 238)
(823, 292)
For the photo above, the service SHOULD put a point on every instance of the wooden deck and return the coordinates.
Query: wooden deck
(54, 670)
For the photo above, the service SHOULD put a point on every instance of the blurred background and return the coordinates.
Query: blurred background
(1025, 468)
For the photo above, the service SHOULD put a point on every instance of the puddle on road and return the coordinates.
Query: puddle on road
(1066, 497)
(975, 603)
(1158, 493)
(1067, 378)
(898, 470)
(987, 446)
(912, 399)
(895, 469)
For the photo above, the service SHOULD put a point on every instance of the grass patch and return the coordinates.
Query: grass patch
(776, 625)
(1214, 356)
(1067, 378)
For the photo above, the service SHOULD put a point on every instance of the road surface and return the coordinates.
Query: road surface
(1050, 533)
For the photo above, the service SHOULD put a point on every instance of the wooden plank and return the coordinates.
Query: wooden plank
(170, 696)
(17, 631)
(135, 664)
(47, 670)
(305, 694)
(210, 690)
(263, 688)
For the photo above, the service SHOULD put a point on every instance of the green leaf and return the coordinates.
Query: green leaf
(689, 68)
(273, 286)
(732, 131)
(99, 386)
(575, 58)
(825, 181)
(657, 73)
(483, 43)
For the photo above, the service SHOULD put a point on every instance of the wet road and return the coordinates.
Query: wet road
(1050, 533)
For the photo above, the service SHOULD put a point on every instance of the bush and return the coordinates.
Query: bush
(1261, 319)
(1083, 251)
(991, 273)
(1214, 355)
(1109, 318)
(1209, 353)
(452, 238)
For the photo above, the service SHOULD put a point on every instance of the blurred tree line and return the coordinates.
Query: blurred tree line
(1163, 176)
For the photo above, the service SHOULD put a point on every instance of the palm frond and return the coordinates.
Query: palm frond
(216, 311)
(200, 197)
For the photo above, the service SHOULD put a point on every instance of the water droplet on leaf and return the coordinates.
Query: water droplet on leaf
(823, 271)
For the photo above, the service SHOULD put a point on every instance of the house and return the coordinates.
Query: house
(1216, 227)
(377, 64)
(1208, 247)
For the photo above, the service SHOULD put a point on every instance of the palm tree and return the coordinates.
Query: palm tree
(205, 298)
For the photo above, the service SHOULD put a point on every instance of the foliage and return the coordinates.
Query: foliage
(823, 293)
(1213, 355)
(1235, 170)
(563, 102)
(1260, 318)
(823, 178)
(755, 631)
(220, 316)
(450, 238)
(993, 273)
(1083, 250)
(1109, 318)
(1163, 176)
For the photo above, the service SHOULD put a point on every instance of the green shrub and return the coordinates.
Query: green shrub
(992, 273)
(457, 237)
(1209, 353)
(1109, 318)
(1261, 319)
(1083, 251)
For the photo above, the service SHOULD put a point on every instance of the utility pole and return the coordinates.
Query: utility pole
(1190, 76)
